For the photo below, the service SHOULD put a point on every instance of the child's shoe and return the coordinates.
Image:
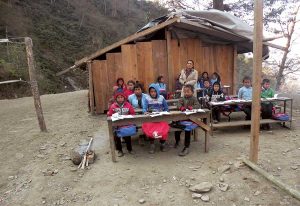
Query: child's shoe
(184, 152)
(152, 148)
(163, 147)
(120, 153)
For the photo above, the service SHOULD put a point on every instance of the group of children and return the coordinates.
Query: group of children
(245, 93)
(130, 97)
(151, 102)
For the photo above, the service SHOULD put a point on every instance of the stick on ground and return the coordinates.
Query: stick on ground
(271, 178)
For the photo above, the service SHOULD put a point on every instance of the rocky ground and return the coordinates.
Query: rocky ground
(36, 167)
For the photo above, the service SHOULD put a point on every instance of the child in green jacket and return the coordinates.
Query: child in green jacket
(266, 107)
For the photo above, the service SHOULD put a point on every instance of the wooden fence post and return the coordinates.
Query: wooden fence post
(91, 88)
(257, 67)
(34, 85)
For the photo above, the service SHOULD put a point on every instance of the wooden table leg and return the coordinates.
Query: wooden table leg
(206, 138)
(112, 142)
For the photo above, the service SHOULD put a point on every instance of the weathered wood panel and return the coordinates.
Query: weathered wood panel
(102, 91)
(114, 68)
(145, 63)
(175, 51)
(160, 59)
(129, 62)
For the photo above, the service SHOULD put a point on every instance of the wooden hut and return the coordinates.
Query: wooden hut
(163, 49)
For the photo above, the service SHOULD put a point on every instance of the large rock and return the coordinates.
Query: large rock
(202, 187)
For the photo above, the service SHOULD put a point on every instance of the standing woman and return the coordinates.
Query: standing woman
(189, 76)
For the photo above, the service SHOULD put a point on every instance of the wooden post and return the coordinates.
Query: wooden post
(274, 180)
(112, 142)
(91, 88)
(235, 71)
(256, 80)
(170, 61)
(34, 85)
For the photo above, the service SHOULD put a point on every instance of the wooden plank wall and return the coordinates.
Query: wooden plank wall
(145, 61)
(101, 89)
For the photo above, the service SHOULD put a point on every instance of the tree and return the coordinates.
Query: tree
(287, 65)
(218, 4)
(279, 18)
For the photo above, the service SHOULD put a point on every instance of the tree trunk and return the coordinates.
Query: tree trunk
(218, 4)
(282, 65)
(114, 8)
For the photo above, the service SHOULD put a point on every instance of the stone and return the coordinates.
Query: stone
(75, 157)
(257, 193)
(224, 168)
(202, 187)
(221, 179)
(205, 198)
(294, 167)
(11, 177)
(238, 164)
(142, 201)
(223, 187)
(63, 144)
(74, 169)
(247, 199)
(214, 172)
(55, 171)
(164, 181)
(44, 202)
(196, 195)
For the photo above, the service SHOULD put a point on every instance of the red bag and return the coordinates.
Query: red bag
(156, 130)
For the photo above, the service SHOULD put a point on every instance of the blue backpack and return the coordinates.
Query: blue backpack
(189, 126)
(281, 117)
(124, 131)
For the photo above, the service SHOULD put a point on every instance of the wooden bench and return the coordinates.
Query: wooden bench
(244, 122)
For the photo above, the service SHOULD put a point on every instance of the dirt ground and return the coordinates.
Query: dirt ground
(159, 179)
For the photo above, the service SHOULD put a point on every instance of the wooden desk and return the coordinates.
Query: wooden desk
(200, 118)
(262, 121)
(171, 108)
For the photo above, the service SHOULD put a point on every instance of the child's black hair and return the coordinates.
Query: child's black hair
(120, 78)
(191, 87)
(204, 73)
(265, 81)
(139, 85)
(190, 61)
(216, 83)
(246, 78)
(159, 78)
(131, 81)
(206, 80)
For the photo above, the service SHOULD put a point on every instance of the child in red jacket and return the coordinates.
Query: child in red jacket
(122, 107)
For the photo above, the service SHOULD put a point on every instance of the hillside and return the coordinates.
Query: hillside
(63, 31)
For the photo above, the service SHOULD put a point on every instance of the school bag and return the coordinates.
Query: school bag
(281, 117)
(124, 131)
(189, 126)
(156, 129)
